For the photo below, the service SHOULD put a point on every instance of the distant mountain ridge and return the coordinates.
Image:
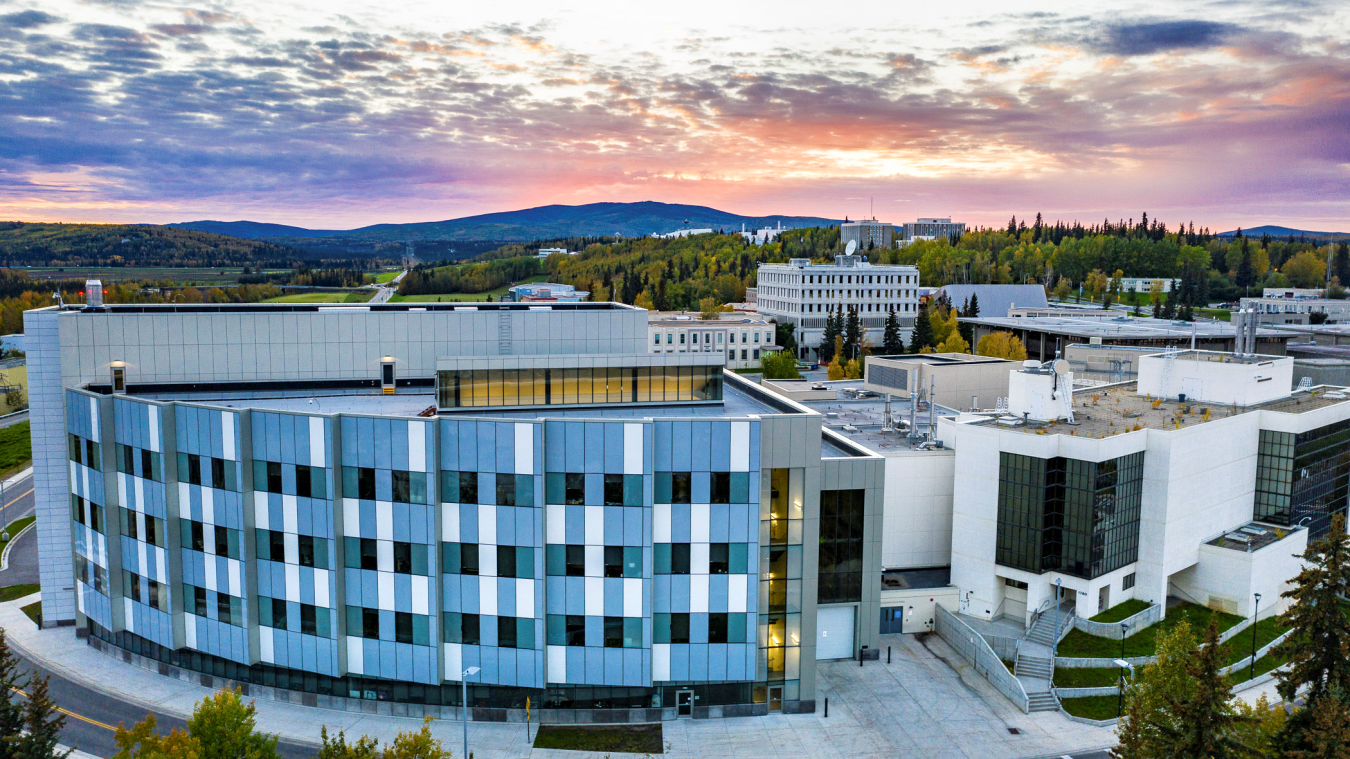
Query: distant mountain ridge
(1278, 231)
(540, 223)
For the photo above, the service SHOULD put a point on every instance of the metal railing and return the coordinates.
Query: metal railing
(975, 649)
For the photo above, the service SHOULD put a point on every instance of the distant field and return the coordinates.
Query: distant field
(122, 273)
(387, 276)
(472, 297)
(353, 297)
(17, 375)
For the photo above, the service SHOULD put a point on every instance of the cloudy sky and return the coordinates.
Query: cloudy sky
(337, 114)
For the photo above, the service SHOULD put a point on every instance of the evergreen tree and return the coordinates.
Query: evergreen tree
(42, 725)
(11, 708)
(660, 300)
(892, 344)
(1318, 651)
(833, 329)
(923, 331)
(1157, 309)
(973, 307)
(1340, 262)
(1246, 273)
(1320, 730)
(1205, 720)
(1169, 309)
(852, 336)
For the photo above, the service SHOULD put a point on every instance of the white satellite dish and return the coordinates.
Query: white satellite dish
(852, 246)
(1060, 366)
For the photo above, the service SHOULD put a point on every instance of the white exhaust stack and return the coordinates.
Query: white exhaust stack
(93, 293)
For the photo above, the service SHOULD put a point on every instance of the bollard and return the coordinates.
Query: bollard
(827, 707)
(888, 654)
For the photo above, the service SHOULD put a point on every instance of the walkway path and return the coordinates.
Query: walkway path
(926, 703)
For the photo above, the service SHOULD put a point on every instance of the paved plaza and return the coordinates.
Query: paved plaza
(925, 703)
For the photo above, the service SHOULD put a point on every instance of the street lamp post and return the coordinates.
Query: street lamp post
(1255, 611)
(464, 683)
(1120, 690)
(1054, 637)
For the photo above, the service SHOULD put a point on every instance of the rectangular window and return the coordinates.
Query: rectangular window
(719, 487)
(304, 481)
(403, 627)
(274, 480)
(679, 558)
(223, 608)
(1127, 581)
(576, 630)
(717, 627)
(222, 537)
(506, 561)
(370, 623)
(614, 490)
(576, 561)
(679, 628)
(365, 483)
(468, 487)
(402, 558)
(613, 561)
(506, 489)
(159, 595)
(309, 620)
(306, 550)
(719, 559)
(506, 632)
(613, 632)
(576, 489)
(370, 554)
(468, 558)
(279, 614)
(131, 586)
(632, 561)
(402, 486)
(194, 470)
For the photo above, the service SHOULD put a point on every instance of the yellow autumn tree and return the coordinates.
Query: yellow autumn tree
(835, 370)
(1002, 345)
(954, 344)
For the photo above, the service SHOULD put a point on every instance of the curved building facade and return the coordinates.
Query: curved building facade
(588, 529)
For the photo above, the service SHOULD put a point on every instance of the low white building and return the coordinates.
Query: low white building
(680, 233)
(1143, 495)
(743, 339)
(1290, 293)
(1145, 284)
(761, 235)
(1298, 310)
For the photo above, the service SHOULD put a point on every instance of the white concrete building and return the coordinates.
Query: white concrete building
(761, 235)
(1298, 310)
(744, 340)
(1143, 496)
(868, 234)
(1289, 293)
(1145, 284)
(931, 229)
(680, 233)
(803, 294)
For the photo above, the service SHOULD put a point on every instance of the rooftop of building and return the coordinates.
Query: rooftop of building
(740, 398)
(279, 308)
(906, 579)
(995, 300)
(1117, 327)
(692, 318)
(840, 262)
(1252, 536)
(859, 415)
(943, 359)
(1109, 410)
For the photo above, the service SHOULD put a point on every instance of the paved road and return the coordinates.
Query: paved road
(21, 416)
(92, 717)
(23, 561)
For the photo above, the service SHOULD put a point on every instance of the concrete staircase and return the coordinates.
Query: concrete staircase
(1035, 666)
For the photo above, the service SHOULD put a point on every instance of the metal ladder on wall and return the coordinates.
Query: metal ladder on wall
(505, 344)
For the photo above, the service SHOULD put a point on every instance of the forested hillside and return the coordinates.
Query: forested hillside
(28, 244)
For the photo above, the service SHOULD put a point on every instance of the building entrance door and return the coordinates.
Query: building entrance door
(776, 698)
(1104, 599)
(684, 703)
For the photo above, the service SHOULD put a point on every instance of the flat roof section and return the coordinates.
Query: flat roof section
(236, 308)
(1118, 327)
(862, 420)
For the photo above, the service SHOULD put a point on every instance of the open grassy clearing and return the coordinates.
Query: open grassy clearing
(464, 297)
(16, 448)
(1092, 707)
(182, 275)
(34, 612)
(387, 276)
(360, 296)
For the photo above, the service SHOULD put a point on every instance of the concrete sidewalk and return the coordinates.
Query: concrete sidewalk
(927, 703)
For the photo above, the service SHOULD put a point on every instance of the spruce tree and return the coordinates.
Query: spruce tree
(973, 308)
(1320, 730)
(1318, 651)
(923, 331)
(42, 724)
(1205, 719)
(1340, 262)
(1246, 273)
(852, 336)
(832, 330)
(892, 344)
(11, 708)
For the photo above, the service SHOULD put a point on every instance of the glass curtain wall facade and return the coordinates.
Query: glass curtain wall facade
(1076, 517)
(487, 388)
(841, 546)
(780, 591)
(1303, 476)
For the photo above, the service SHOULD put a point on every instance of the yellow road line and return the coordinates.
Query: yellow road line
(16, 498)
(69, 713)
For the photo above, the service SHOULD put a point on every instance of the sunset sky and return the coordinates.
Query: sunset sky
(340, 114)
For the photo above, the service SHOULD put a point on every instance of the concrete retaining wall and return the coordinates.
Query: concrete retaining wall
(1111, 630)
(975, 649)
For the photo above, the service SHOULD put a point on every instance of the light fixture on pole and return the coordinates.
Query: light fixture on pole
(1120, 691)
(464, 683)
(1255, 611)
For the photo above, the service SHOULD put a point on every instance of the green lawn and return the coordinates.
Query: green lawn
(635, 739)
(16, 448)
(1143, 643)
(1087, 677)
(15, 528)
(1222, 314)
(1122, 610)
(387, 276)
(12, 592)
(359, 296)
(1240, 645)
(1092, 707)
(34, 612)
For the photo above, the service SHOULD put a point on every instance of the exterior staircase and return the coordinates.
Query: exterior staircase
(1035, 666)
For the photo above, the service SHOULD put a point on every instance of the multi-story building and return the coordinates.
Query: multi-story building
(1299, 310)
(1293, 292)
(869, 234)
(931, 229)
(743, 339)
(367, 503)
(545, 292)
(1145, 284)
(804, 294)
(761, 235)
(1203, 480)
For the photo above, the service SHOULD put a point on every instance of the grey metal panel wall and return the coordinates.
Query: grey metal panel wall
(46, 399)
